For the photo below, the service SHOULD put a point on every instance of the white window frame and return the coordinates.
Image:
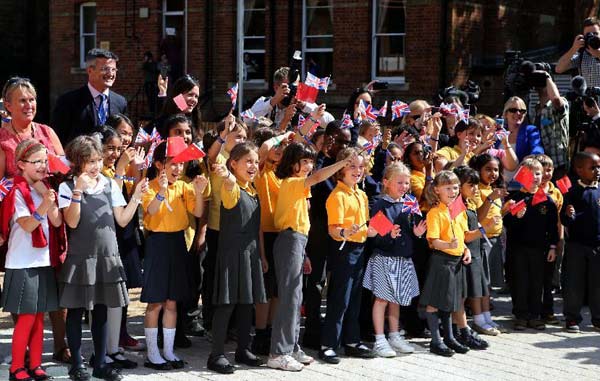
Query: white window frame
(374, 36)
(242, 15)
(82, 35)
(305, 38)
(183, 13)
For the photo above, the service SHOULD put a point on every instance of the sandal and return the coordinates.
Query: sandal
(63, 355)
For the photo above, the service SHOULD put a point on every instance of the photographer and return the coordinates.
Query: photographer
(273, 107)
(585, 53)
(552, 119)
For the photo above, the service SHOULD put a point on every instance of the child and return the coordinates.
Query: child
(550, 267)
(581, 264)
(532, 236)
(291, 219)
(238, 271)
(469, 136)
(444, 288)
(490, 210)
(347, 214)
(390, 273)
(32, 224)
(92, 276)
(165, 283)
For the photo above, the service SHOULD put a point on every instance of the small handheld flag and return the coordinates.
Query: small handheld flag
(564, 184)
(192, 152)
(180, 102)
(539, 197)
(306, 93)
(55, 164)
(233, 93)
(381, 223)
(456, 207)
(399, 109)
(175, 146)
(516, 208)
(5, 186)
(524, 177)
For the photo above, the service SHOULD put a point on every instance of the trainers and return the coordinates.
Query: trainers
(131, 344)
(400, 345)
(572, 327)
(302, 357)
(383, 349)
(284, 362)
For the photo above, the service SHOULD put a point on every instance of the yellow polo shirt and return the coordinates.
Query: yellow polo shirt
(214, 205)
(267, 185)
(494, 211)
(452, 153)
(182, 199)
(417, 187)
(347, 206)
(231, 198)
(440, 226)
(291, 210)
(555, 195)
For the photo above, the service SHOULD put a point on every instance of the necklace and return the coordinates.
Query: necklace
(18, 135)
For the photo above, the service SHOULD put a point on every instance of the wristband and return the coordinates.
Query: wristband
(220, 139)
(77, 191)
(428, 178)
(160, 198)
(136, 200)
(482, 231)
(123, 177)
(37, 216)
(277, 141)
(552, 246)
(75, 201)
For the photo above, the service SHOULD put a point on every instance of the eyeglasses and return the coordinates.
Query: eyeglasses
(107, 70)
(514, 110)
(37, 163)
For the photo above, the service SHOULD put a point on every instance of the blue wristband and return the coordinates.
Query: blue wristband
(37, 216)
(160, 198)
(482, 231)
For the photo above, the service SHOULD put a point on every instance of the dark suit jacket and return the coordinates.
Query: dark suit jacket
(75, 113)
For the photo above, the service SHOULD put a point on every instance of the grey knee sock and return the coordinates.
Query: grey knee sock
(434, 327)
(446, 318)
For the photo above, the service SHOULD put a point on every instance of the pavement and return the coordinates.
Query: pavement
(552, 354)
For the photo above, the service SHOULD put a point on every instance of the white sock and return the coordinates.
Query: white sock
(113, 326)
(168, 340)
(480, 320)
(395, 334)
(488, 317)
(152, 346)
(379, 338)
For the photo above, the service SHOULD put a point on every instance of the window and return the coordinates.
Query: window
(87, 30)
(173, 47)
(253, 52)
(388, 34)
(317, 37)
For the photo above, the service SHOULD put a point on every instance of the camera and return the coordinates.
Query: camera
(293, 76)
(522, 75)
(591, 41)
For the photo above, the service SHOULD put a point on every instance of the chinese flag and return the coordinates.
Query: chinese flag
(192, 152)
(539, 197)
(516, 208)
(306, 93)
(524, 177)
(381, 224)
(55, 164)
(180, 102)
(175, 146)
(564, 184)
(456, 207)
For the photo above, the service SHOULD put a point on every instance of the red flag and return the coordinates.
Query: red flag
(306, 93)
(516, 208)
(564, 184)
(175, 146)
(525, 177)
(192, 152)
(180, 102)
(539, 197)
(55, 164)
(456, 207)
(381, 223)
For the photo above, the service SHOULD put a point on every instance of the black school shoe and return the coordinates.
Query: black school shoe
(121, 364)
(472, 342)
(219, 364)
(107, 373)
(360, 351)
(456, 346)
(163, 366)
(248, 358)
(79, 374)
(331, 358)
(441, 350)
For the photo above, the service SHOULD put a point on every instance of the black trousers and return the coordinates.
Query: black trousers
(221, 315)
(527, 280)
(581, 269)
(208, 276)
(548, 298)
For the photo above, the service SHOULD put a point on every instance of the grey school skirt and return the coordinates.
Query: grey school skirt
(30, 291)
(446, 283)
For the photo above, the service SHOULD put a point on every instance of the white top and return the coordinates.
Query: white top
(21, 253)
(117, 199)
(262, 107)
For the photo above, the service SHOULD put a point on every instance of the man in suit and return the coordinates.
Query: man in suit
(81, 111)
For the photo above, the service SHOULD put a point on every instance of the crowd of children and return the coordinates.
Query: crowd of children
(416, 218)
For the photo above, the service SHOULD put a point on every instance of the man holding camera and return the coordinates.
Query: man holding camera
(584, 55)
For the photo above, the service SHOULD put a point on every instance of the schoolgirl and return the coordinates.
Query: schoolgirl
(92, 277)
(32, 224)
(238, 271)
(390, 273)
(291, 218)
(165, 206)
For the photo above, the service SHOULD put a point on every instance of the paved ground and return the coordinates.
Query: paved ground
(549, 355)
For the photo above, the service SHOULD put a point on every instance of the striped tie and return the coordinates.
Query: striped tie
(102, 109)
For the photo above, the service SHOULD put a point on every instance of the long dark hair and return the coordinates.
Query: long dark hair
(292, 154)
(354, 96)
(182, 85)
(479, 161)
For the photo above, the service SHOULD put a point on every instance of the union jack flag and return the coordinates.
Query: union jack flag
(233, 93)
(313, 128)
(368, 147)
(370, 113)
(448, 109)
(501, 133)
(248, 114)
(154, 136)
(383, 110)
(463, 114)
(149, 157)
(142, 137)
(314, 81)
(5, 186)
(347, 121)
(411, 205)
(399, 109)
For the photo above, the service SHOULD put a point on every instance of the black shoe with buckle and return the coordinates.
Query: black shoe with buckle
(441, 350)
(121, 363)
(329, 356)
(360, 351)
(219, 364)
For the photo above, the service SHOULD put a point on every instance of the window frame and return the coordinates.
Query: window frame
(243, 37)
(83, 35)
(374, 57)
(184, 14)
(306, 36)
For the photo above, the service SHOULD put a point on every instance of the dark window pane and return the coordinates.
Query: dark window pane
(390, 56)
(89, 42)
(390, 16)
(318, 3)
(254, 66)
(319, 64)
(254, 23)
(319, 42)
(319, 21)
(89, 19)
(254, 43)
(254, 4)
(175, 5)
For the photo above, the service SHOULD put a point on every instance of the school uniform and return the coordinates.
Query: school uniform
(345, 206)
(390, 272)
(550, 267)
(165, 274)
(445, 286)
(528, 240)
(477, 279)
(493, 256)
(581, 263)
(453, 153)
(291, 219)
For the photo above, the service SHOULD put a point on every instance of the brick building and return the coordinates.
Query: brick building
(418, 46)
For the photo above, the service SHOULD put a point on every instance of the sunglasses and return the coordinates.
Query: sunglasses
(515, 110)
